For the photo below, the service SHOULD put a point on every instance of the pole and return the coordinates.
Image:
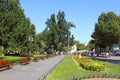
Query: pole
(30, 44)
(68, 43)
(31, 40)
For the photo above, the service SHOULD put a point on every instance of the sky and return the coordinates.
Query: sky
(82, 13)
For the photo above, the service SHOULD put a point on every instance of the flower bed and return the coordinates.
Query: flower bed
(89, 64)
(44, 56)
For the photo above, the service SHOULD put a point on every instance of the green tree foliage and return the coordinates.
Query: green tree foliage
(107, 30)
(80, 46)
(57, 32)
(91, 45)
(39, 43)
(15, 28)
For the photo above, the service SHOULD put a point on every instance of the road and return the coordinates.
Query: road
(113, 59)
(32, 71)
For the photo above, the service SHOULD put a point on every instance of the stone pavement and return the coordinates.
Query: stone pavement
(32, 71)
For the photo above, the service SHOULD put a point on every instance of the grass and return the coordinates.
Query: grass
(69, 68)
(112, 68)
(11, 58)
(38, 55)
(16, 58)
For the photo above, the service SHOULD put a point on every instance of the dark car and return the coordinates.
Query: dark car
(116, 53)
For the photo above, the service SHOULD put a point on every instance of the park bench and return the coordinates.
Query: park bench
(24, 60)
(35, 58)
(5, 63)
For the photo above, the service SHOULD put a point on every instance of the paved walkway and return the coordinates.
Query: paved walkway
(32, 71)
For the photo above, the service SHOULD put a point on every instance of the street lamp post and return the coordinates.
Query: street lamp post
(52, 49)
(31, 40)
(68, 43)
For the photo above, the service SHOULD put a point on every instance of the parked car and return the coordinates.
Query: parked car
(84, 52)
(106, 53)
(116, 53)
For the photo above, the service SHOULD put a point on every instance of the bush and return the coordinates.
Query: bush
(89, 64)
(92, 66)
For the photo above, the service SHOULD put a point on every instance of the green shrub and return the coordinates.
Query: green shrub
(89, 64)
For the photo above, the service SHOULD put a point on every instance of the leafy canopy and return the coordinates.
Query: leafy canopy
(107, 30)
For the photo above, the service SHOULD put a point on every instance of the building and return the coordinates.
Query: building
(73, 49)
(116, 47)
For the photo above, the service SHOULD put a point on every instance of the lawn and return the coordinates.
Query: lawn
(10, 58)
(112, 68)
(38, 55)
(69, 68)
(16, 58)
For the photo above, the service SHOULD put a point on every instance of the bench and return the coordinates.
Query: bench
(24, 60)
(35, 58)
(5, 63)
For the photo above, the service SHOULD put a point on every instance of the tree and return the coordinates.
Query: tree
(91, 45)
(80, 46)
(39, 42)
(57, 31)
(107, 30)
(15, 28)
